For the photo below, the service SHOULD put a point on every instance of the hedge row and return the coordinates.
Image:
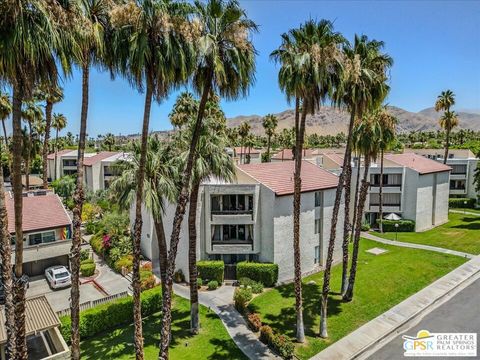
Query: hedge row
(111, 315)
(265, 273)
(403, 225)
(464, 203)
(211, 270)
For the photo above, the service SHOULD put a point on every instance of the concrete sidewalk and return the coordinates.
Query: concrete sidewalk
(364, 338)
(416, 246)
(221, 302)
(464, 212)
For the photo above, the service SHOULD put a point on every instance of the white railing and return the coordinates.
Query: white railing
(90, 304)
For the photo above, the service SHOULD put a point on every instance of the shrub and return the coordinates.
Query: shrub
(109, 316)
(257, 287)
(147, 279)
(91, 227)
(283, 345)
(147, 266)
(365, 226)
(199, 282)
(87, 269)
(64, 186)
(403, 225)
(254, 321)
(84, 255)
(212, 285)
(86, 261)
(241, 297)
(211, 270)
(266, 273)
(90, 212)
(96, 244)
(178, 276)
(125, 261)
(464, 203)
(266, 334)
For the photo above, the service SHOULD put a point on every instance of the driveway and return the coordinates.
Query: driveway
(459, 314)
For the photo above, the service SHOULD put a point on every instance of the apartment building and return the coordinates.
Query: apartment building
(252, 219)
(240, 154)
(47, 230)
(463, 163)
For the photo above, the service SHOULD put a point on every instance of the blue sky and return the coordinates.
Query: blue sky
(435, 46)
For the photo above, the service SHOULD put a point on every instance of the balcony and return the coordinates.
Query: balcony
(232, 246)
(231, 216)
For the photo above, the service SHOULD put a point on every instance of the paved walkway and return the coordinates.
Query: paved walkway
(364, 338)
(416, 246)
(221, 302)
(464, 212)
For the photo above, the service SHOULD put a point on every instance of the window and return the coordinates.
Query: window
(317, 254)
(318, 226)
(389, 199)
(459, 169)
(318, 198)
(41, 238)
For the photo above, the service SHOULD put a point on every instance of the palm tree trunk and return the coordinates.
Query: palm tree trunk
(333, 233)
(355, 202)
(137, 229)
(192, 259)
(48, 123)
(380, 194)
(56, 154)
(348, 296)
(346, 223)
(5, 133)
(20, 279)
(268, 148)
(6, 266)
(166, 320)
(162, 248)
(27, 159)
(447, 145)
(78, 198)
(297, 178)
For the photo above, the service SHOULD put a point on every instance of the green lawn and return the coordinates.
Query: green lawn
(461, 233)
(382, 282)
(213, 341)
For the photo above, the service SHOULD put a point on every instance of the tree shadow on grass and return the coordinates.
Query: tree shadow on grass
(472, 223)
(228, 349)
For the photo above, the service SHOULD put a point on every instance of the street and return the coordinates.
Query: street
(459, 314)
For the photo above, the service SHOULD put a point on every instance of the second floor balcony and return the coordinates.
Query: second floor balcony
(237, 205)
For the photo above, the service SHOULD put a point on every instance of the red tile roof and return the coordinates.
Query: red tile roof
(288, 154)
(60, 153)
(278, 176)
(418, 163)
(336, 158)
(102, 155)
(39, 212)
(239, 150)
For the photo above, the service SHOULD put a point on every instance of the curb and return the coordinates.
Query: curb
(358, 345)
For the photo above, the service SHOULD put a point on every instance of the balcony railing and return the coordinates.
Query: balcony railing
(232, 212)
(385, 204)
(233, 243)
(386, 185)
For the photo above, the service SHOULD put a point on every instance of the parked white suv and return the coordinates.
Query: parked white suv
(58, 277)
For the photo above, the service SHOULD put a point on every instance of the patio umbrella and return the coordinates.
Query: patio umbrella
(392, 216)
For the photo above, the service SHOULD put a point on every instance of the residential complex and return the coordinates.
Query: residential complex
(46, 230)
(252, 219)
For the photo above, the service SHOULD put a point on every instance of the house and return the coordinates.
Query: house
(252, 219)
(463, 163)
(44, 340)
(242, 153)
(414, 187)
(47, 230)
(99, 168)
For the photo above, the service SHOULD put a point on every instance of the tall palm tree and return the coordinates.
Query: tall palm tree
(445, 101)
(51, 94)
(160, 184)
(89, 35)
(367, 136)
(243, 131)
(153, 49)
(5, 111)
(363, 86)
(387, 124)
(59, 122)
(109, 141)
(225, 65)
(269, 123)
(310, 65)
(32, 114)
(448, 121)
(211, 161)
(29, 44)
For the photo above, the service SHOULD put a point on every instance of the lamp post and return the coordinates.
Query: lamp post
(396, 231)
(464, 207)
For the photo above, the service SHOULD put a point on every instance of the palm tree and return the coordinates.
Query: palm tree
(109, 141)
(310, 64)
(5, 111)
(89, 35)
(243, 131)
(269, 123)
(225, 65)
(367, 136)
(448, 121)
(363, 86)
(32, 114)
(153, 49)
(59, 122)
(387, 124)
(51, 94)
(445, 101)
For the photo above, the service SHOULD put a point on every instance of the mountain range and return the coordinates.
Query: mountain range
(330, 121)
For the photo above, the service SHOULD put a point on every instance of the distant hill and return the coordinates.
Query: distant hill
(330, 121)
